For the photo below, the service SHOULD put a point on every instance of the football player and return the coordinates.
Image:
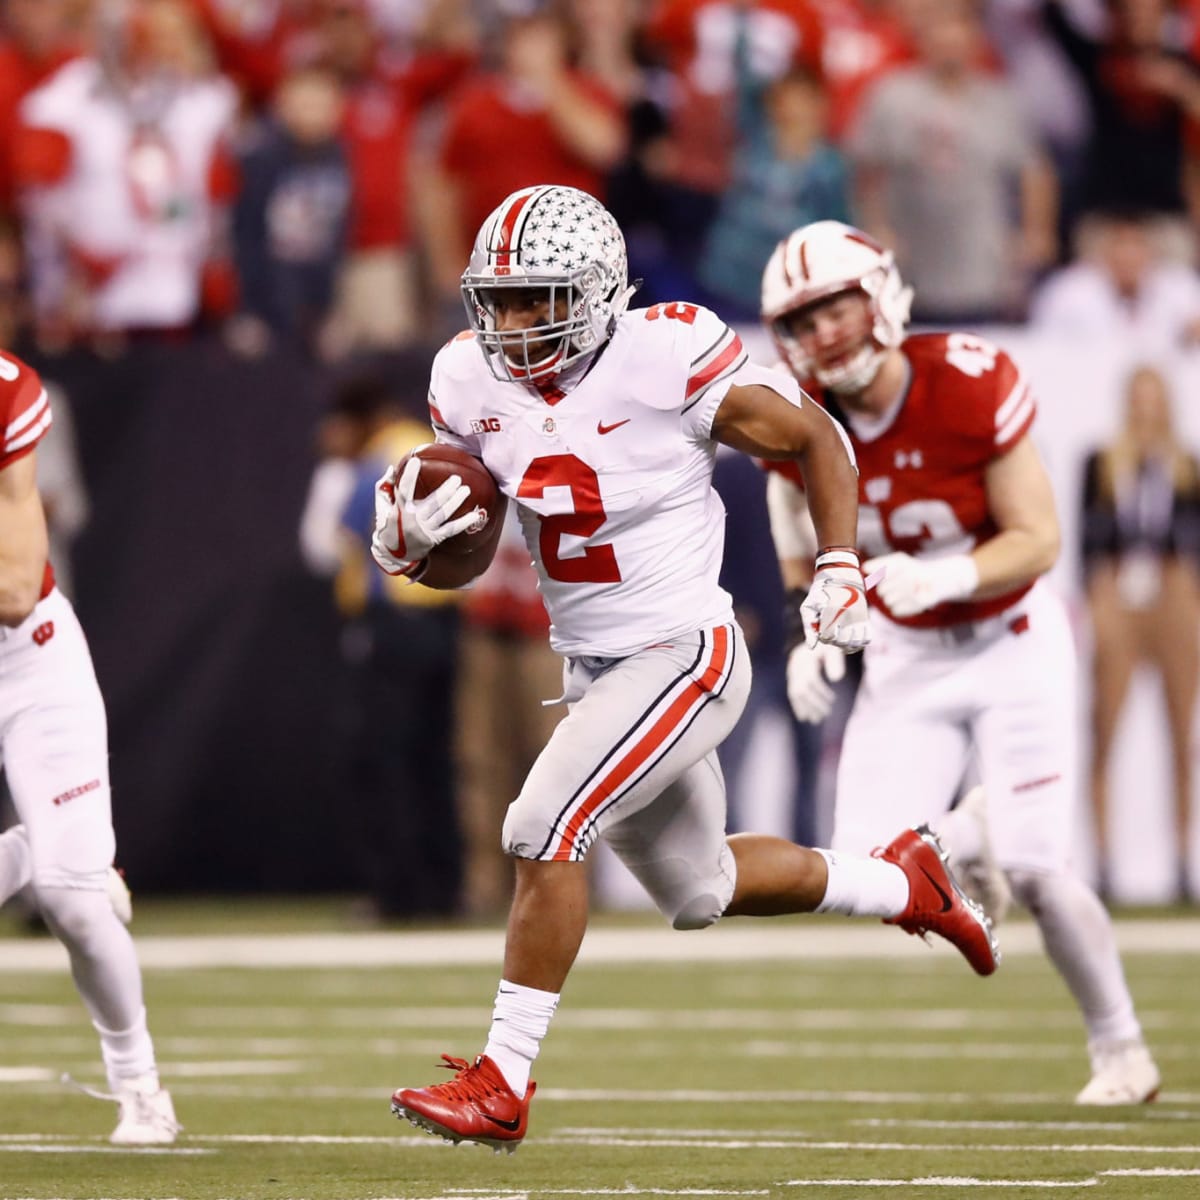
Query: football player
(601, 422)
(54, 749)
(971, 666)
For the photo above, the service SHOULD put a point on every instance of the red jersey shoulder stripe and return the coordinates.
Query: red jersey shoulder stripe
(1015, 414)
(725, 357)
(28, 426)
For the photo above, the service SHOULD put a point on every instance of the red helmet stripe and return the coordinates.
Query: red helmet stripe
(863, 239)
(503, 250)
(804, 259)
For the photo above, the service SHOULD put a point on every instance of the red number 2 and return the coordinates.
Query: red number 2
(673, 311)
(597, 564)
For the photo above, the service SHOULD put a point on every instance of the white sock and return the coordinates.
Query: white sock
(129, 1054)
(519, 1022)
(16, 862)
(863, 887)
(1078, 935)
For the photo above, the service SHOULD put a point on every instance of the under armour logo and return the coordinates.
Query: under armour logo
(911, 458)
(43, 633)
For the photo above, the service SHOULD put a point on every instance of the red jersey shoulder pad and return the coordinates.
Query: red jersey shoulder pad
(24, 408)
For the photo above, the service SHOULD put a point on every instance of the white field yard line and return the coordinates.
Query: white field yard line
(724, 1098)
(735, 941)
(43, 1143)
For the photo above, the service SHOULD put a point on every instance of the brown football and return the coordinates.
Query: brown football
(469, 554)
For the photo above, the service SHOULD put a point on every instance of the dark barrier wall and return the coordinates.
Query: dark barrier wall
(216, 651)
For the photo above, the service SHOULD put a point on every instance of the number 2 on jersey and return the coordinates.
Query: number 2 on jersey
(597, 564)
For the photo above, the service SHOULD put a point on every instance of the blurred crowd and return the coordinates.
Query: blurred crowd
(313, 171)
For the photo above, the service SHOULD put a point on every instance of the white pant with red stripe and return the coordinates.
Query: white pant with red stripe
(998, 696)
(635, 762)
(54, 746)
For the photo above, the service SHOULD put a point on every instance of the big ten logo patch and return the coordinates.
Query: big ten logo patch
(487, 425)
(43, 633)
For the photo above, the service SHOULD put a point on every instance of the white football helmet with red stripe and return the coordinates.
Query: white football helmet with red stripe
(818, 261)
(566, 241)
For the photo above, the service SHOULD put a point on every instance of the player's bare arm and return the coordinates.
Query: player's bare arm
(1021, 502)
(23, 540)
(757, 420)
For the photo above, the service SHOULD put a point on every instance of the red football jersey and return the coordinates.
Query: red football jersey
(24, 419)
(921, 478)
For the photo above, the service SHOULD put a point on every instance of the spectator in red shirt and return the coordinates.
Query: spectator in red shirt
(258, 41)
(534, 118)
(385, 90)
(35, 40)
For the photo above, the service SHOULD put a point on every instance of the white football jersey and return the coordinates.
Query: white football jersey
(613, 477)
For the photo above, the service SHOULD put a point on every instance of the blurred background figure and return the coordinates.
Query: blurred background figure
(1143, 89)
(119, 168)
(531, 116)
(941, 148)
(1141, 555)
(292, 215)
(699, 43)
(36, 38)
(1124, 284)
(389, 85)
(399, 658)
(785, 174)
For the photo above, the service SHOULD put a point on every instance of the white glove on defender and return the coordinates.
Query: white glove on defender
(915, 585)
(406, 530)
(810, 672)
(835, 610)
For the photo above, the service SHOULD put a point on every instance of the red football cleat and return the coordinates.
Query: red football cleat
(477, 1105)
(936, 902)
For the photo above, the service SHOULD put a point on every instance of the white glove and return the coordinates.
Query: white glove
(915, 585)
(406, 530)
(835, 610)
(810, 672)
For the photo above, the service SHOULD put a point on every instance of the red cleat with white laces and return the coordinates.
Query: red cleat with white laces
(936, 902)
(477, 1105)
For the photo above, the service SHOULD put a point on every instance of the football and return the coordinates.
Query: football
(467, 555)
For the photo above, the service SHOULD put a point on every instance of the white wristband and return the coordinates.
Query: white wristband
(958, 576)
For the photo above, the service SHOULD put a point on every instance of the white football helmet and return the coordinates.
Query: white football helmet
(566, 241)
(821, 260)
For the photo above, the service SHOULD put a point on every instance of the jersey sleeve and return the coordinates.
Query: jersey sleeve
(450, 426)
(715, 356)
(24, 409)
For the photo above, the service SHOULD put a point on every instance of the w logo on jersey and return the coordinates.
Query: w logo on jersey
(878, 490)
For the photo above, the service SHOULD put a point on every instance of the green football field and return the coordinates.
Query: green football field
(801, 1058)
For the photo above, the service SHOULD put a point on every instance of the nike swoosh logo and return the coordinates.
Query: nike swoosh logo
(853, 596)
(512, 1126)
(602, 429)
(937, 887)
